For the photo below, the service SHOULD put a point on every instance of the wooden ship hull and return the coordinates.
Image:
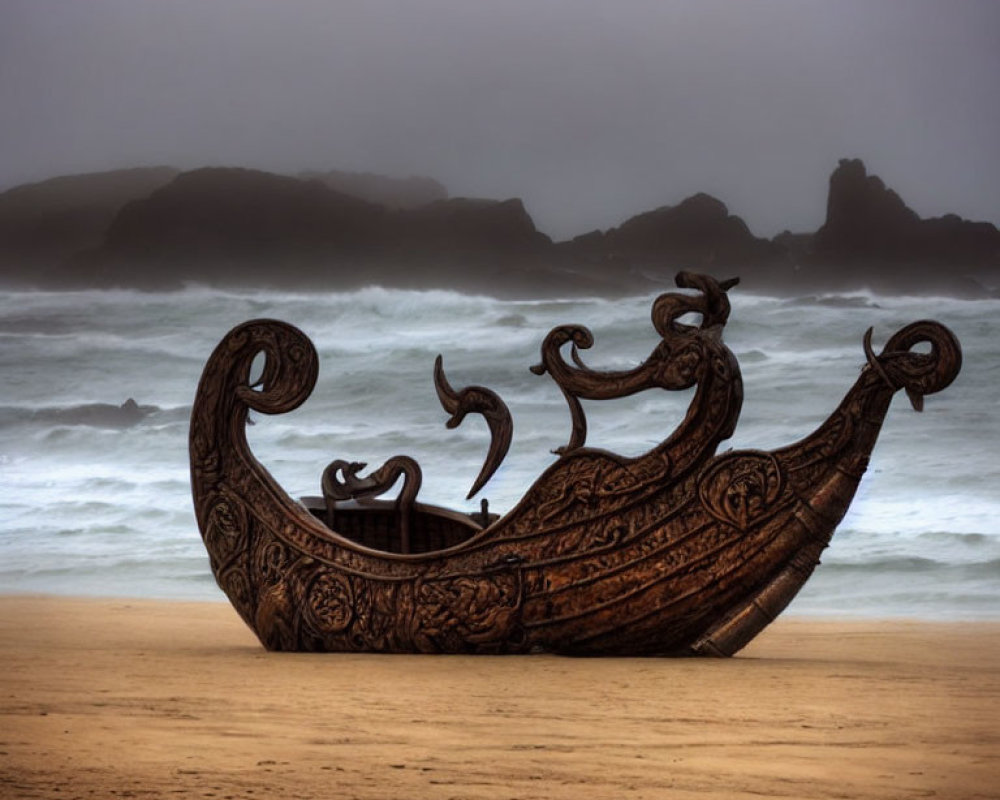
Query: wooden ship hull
(676, 552)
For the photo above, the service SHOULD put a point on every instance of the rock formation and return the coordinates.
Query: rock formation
(232, 226)
(697, 233)
(157, 228)
(468, 225)
(868, 223)
(393, 193)
(41, 224)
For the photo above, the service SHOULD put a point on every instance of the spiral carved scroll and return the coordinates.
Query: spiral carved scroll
(917, 373)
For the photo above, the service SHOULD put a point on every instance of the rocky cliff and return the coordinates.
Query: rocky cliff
(697, 233)
(233, 226)
(468, 225)
(242, 224)
(157, 228)
(868, 223)
(41, 224)
(393, 193)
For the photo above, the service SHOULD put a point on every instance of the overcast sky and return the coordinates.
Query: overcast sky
(589, 111)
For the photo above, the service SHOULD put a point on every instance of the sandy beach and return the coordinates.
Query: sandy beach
(122, 698)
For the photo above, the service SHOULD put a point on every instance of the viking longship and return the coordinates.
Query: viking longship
(676, 552)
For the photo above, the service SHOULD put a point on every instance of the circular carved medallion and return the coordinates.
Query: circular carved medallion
(739, 488)
(330, 603)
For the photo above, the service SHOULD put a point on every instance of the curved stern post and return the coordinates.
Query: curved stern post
(825, 469)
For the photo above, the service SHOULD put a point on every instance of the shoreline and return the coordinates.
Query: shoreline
(822, 615)
(152, 698)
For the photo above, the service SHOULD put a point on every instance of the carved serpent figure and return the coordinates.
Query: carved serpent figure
(336, 489)
(675, 552)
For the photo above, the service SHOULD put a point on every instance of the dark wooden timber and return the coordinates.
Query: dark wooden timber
(676, 552)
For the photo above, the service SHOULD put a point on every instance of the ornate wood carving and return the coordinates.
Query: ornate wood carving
(675, 552)
(477, 400)
(351, 487)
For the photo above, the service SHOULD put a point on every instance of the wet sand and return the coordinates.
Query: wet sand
(119, 698)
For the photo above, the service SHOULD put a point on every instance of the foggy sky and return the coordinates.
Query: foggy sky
(589, 111)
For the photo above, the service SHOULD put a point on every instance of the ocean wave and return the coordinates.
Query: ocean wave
(850, 300)
(914, 564)
(95, 415)
(112, 565)
(974, 540)
(62, 301)
(80, 346)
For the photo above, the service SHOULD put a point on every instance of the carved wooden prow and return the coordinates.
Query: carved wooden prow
(580, 381)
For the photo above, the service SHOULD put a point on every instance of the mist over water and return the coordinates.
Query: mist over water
(96, 498)
(590, 112)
